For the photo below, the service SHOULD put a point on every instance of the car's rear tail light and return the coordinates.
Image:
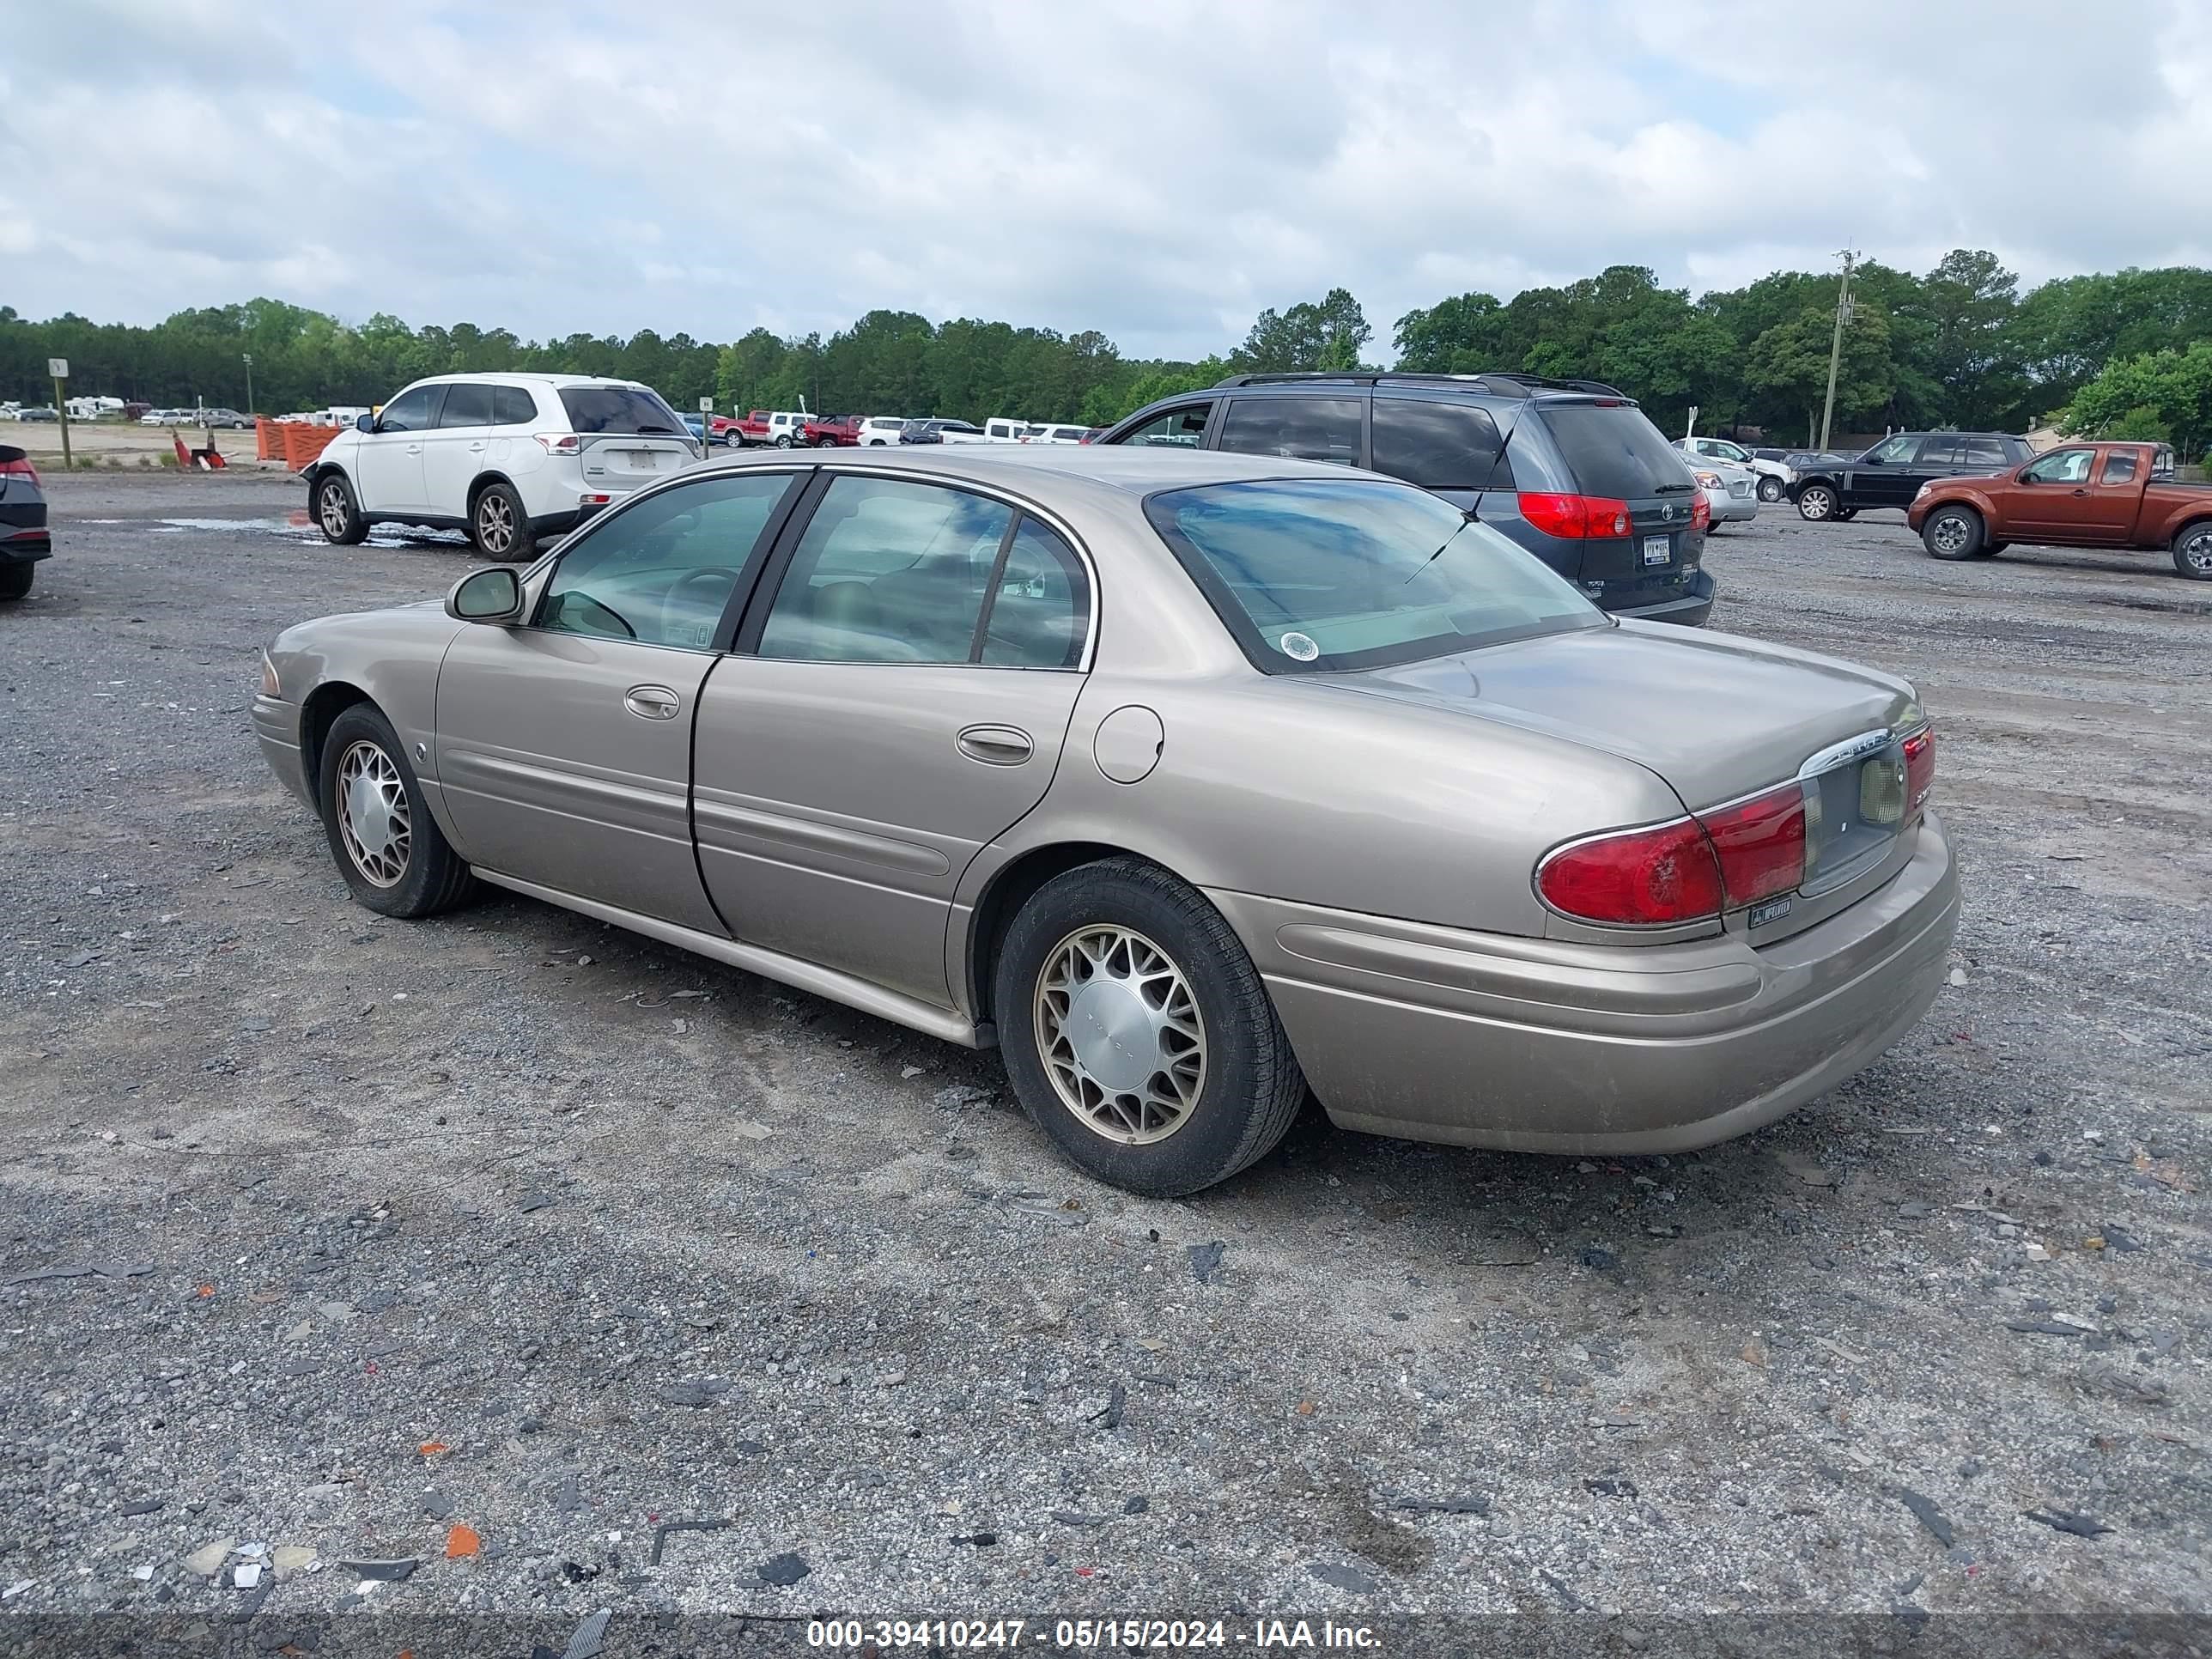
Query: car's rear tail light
(561, 443)
(1760, 843)
(1637, 877)
(1575, 517)
(1919, 768)
(1701, 512)
(21, 468)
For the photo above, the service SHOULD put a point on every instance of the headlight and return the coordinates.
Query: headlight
(1923, 490)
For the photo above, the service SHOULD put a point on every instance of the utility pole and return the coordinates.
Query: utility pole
(249, 380)
(1836, 344)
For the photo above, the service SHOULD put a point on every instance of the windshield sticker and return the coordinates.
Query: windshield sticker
(1298, 647)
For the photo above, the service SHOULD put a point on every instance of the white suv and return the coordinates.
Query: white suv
(507, 458)
(880, 429)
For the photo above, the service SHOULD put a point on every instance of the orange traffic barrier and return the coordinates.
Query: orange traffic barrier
(292, 442)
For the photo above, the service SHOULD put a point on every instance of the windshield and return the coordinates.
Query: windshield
(1316, 574)
(617, 408)
(1613, 450)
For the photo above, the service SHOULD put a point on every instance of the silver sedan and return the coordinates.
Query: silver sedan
(1193, 781)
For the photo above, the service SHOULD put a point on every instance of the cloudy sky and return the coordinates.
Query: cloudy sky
(1160, 172)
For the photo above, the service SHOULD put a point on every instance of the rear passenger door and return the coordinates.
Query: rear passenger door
(902, 686)
(1297, 427)
(1455, 449)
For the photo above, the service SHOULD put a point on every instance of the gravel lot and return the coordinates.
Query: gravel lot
(326, 1233)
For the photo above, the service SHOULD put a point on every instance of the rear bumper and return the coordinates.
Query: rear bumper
(25, 546)
(1690, 609)
(1528, 1045)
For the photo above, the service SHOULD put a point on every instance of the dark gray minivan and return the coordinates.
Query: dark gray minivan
(1571, 469)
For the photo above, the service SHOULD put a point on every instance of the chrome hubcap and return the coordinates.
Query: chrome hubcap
(334, 510)
(495, 523)
(1815, 503)
(1949, 535)
(374, 814)
(1120, 1034)
(2197, 551)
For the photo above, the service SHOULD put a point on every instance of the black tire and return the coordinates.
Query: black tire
(418, 878)
(498, 525)
(1990, 550)
(1952, 533)
(16, 578)
(1847, 515)
(1817, 503)
(1250, 1087)
(2193, 550)
(783, 441)
(338, 514)
(1770, 488)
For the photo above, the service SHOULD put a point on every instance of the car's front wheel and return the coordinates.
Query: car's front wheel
(500, 525)
(337, 515)
(2192, 551)
(1770, 488)
(1816, 503)
(1952, 532)
(783, 441)
(388, 847)
(1137, 1034)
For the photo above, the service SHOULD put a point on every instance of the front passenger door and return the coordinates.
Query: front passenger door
(564, 746)
(388, 476)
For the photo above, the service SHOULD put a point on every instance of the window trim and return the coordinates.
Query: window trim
(746, 637)
(748, 573)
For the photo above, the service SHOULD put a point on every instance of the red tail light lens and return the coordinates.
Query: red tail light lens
(1637, 877)
(1701, 512)
(1760, 844)
(21, 467)
(561, 443)
(1919, 768)
(1576, 518)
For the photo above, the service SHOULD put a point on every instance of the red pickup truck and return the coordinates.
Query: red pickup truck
(825, 431)
(2084, 495)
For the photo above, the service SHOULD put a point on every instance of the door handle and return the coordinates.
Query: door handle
(653, 703)
(478, 444)
(2080, 492)
(995, 745)
(414, 449)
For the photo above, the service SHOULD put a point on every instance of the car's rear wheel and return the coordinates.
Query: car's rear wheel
(1952, 532)
(16, 580)
(2192, 551)
(1137, 1034)
(1770, 488)
(337, 515)
(500, 526)
(1816, 503)
(388, 847)
(783, 441)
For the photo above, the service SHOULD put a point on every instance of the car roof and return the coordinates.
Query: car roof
(556, 381)
(1134, 470)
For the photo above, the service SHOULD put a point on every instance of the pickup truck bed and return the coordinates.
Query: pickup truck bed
(2084, 495)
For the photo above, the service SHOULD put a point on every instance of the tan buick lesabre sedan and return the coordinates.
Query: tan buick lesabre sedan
(1193, 781)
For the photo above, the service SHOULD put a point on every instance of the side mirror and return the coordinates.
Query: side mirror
(492, 596)
(364, 423)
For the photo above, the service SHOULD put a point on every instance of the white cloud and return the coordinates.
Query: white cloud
(1158, 172)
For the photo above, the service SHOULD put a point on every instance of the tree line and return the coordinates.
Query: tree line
(2124, 353)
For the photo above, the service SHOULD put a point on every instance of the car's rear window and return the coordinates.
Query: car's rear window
(618, 408)
(1613, 450)
(1315, 575)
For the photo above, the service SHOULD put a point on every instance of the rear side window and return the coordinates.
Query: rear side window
(2120, 466)
(1614, 451)
(1039, 607)
(618, 408)
(1439, 446)
(1987, 452)
(1941, 452)
(512, 405)
(466, 405)
(1296, 428)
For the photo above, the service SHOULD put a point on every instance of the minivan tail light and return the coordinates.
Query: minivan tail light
(1919, 768)
(561, 443)
(1576, 518)
(1637, 877)
(1701, 512)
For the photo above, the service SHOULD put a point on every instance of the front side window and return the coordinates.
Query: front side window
(2061, 466)
(466, 405)
(1892, 452)
(888, 572)
(2120, 466)
(1438, 446)
(662, 572)
(1181, 428)
(1296, 428)
(410, 411)
(1315, 575)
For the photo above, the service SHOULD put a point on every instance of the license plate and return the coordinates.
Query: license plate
(1658, 550)
(644, 460)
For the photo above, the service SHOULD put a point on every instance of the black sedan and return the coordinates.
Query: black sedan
(23, 536)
